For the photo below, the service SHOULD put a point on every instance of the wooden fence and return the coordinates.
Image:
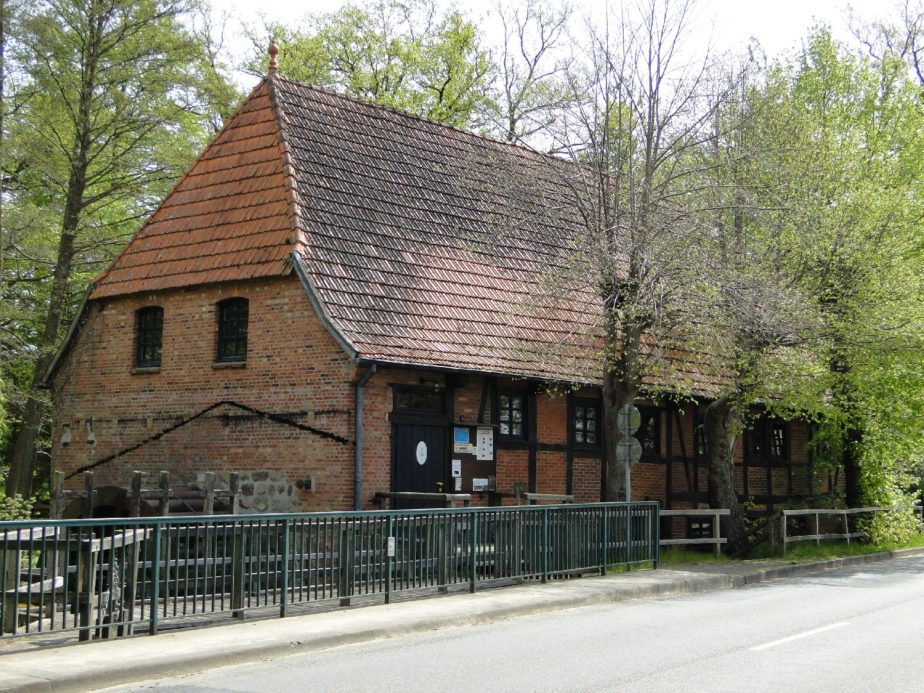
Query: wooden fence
(841, 528)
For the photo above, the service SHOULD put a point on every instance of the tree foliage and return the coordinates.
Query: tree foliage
(112, 100)
(407, 55)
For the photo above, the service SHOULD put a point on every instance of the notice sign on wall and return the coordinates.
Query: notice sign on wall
(485, 443)
(461, 441)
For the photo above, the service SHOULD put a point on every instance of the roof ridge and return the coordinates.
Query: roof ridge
(297, 239)
(522, 148)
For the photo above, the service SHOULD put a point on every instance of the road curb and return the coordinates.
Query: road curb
(799, 569)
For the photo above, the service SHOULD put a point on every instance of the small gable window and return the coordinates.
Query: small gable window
(232, 330)
(511, 413)
(149, 326)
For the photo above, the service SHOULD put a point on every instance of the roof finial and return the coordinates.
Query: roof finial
(273, 51)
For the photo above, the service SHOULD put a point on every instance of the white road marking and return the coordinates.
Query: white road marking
(798, 636)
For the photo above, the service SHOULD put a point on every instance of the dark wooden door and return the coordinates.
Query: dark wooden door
(420, 459)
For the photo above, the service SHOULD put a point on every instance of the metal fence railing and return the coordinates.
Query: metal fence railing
(109, 577)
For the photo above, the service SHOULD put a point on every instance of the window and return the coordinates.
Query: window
(779, 441)
(149, 325)
(699, 441)
(699, 528)
(767, 440)
(232, 330)
(649, 431)
(511, 414)
(420, 400)
(585, 424)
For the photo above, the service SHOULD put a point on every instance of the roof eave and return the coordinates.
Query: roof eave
(320, 310)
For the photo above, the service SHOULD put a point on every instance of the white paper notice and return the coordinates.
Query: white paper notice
(485, 444)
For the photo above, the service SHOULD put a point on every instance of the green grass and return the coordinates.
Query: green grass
(674, 555)
(809, 551)
(796, 552)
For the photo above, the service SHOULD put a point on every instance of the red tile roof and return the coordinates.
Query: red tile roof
(422, 244)
(228, 218)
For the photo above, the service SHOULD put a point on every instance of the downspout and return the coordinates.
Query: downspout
(358, 448)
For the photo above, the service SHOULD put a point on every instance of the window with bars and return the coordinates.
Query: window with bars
(511, 414)
(149, 325)
(585, 423)
(232, 330)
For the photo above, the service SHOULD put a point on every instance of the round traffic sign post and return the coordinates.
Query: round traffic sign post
(628, 450)
(628, 420)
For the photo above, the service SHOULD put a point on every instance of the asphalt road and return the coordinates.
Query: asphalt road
(856, 629)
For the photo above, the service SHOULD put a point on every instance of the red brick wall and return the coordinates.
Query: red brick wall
(552, 419)
(586, 480)
(293, 365)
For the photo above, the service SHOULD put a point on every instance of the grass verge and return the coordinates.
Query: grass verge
(796, 553)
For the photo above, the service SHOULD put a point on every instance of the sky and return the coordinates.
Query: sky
(779, 25)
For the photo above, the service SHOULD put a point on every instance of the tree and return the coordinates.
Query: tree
(111, 111)
(531, 68)
(639, 121)
(845, 133)
(402, 54)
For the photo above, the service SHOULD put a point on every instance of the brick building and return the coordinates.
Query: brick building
(337, 299)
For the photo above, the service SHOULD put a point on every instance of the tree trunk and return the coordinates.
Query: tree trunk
(22, 459)
(852, 434)
(621, 379)
(721, 424)
(850, 458)
(615, 396)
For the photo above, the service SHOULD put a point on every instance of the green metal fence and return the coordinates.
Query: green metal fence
(103, 578)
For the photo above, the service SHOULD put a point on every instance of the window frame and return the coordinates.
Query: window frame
(762, 431)
(511, 393)
(225, 322)
(650, 414)
(426, 392)
(144, 334)
(594, 405)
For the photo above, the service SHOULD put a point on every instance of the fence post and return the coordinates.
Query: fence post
(286, 550)
(208, 504)
(238, 556)
(442, 554)
(474, 551)
(136, 494)
(628, 536)
(155, 580)
(390, 548)
(783, 530)
(818, 528)
(545, 545)
(164, 493)
(656, 523)
(345, 567)
(846, 529)
(716, 534)
(604, 540)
